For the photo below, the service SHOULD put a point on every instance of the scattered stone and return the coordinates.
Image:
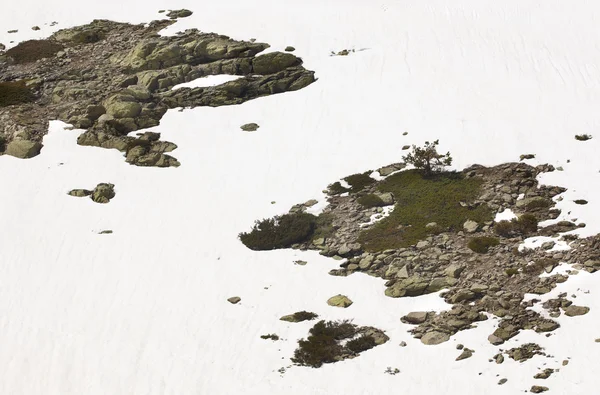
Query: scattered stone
(270, 336)
(80, 192)
(470, 226)
(301, 263)
(103, 193)
(339, 301)
(12, 31)
(106, 232)
(415, 318)
(525, 352)
(527, 156)
(573, 311)
(249, 127)
(402, 344)
(35, 28)
(234, 300)
(299, 316)
(565, 362)
(183, 13)
(391, 371)
(405, 147)
(435, 337)
(502, 381)
(544, 374)
(289, 49)
(465, 354)
(499, 358)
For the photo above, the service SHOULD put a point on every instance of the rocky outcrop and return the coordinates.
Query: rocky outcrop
(112, 79)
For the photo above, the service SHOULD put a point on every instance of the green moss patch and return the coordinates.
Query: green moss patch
(421, 201)
(32, 50)
(14, 92)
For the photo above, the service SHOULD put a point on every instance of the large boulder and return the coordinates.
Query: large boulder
(434, 337)
(23, 149)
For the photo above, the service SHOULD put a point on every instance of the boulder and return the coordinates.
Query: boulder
(435, 337)
(274, 62)
(339, 301)
(103, 193)
(454, 270)
(234, 299)
(573, 311)
(470, 226)
(465, 354)
(415, 317)
(23, 149)
(386, 197)
(412, 286)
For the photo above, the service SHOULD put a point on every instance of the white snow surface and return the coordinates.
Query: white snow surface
(144, 310)
(207, 81)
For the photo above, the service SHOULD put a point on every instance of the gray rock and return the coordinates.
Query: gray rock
(435, 337)
(80, 192)
(23, 149)
(103, 193)
(496, 341)
(470, 226)
(454, 270)
(386, 197)
(250, 127)
(234, 300)
(366, 262)
(183, 13)
(538, 389)
(274, 62)
(573, 311)
(415, 317)
(465, 354)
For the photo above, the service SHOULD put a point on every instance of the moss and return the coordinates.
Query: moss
(583, 137)
(482, 244)
(337, 189)
(279, 232)
(360, 344)
(420, 201)
(14, 92)
(32, 50)
(370, 200)
(359, 181)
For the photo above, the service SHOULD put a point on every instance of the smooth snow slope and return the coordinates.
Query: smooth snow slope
(144, 311)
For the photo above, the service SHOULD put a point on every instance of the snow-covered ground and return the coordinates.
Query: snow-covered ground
(144, 310)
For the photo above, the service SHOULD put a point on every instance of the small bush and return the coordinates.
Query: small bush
(370, 200)
(270, 336)
(511, 271)
(279, 232)
(482, 245)
(337, 189)
(360, 344)
(14, 92)
(538, 203)
(583, 137)
(525, 224)
(427, 159)
(304, 316)
(32, 50)
(359, 181)
(323, 344)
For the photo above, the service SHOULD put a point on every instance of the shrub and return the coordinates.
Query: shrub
(337, 189)
(323, 343)
(427, 158)
(304, 316)
(482, 244)
(360, 344)
(14, 92)
(511, 271)
(359, 181)
(279, 232)
(323, 226)
(420, 201)
(32, 50)
(270, 336)
(583, 137)
(525, 224)
(538, 203)
(370, 200)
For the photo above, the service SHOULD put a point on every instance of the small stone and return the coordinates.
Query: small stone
(301, 263)
(339, 301)
(499, 358)
(470, 226)
(405, 147)
(537, 389)
(465, 354)
(565, 362)
(35, 28)
(106, 232)
(502, 381)
(402, 344)
(459, 346)
(234, 300)
(183, 13)
(289, 49)
(544, 374)
(422, 244)
(249, 127)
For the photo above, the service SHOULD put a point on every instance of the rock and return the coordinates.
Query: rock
(289, 49)
(415, 317)
(23, 149)
(183, 13)
(422, 244)
(344, 250)
(103, 193)
(366, 262)
(470, 226)
(465, 354)
(496, 341)
(274, 62)
(544, 374)
(412, 286)
(573, 311)
(402, 344)
(106, 232)
(339, 301)
(462, 295)
(387, 197)
(499, 358)
(310, 203)
(79, 192)
(35, 28)
(548, 245)
(250, 127)
(502, 381)
(319, 241)
(454, 270)
(122, 106)
(435, 337)
(403, 272)
(234, 300)
(299, 262)
(536, 389)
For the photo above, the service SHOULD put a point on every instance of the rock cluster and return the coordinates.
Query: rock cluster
(103, 193)
(114, 78)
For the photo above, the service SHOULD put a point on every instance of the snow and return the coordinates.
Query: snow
(144, 310)
(209, 80)
(505, 215)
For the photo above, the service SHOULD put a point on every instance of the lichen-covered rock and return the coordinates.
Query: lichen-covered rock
(23, 149)
(103, 193)
(249, 127)
(415, 317)
(573, 311)
(234, 299)
(339, 301)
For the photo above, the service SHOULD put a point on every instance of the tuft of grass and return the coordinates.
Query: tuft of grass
(482, 244)
(370, 200)
(525, 224)
(279, 232)
(32, 50)
(14, 92)
(583, 137)
(420, 201)
(359, 181)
